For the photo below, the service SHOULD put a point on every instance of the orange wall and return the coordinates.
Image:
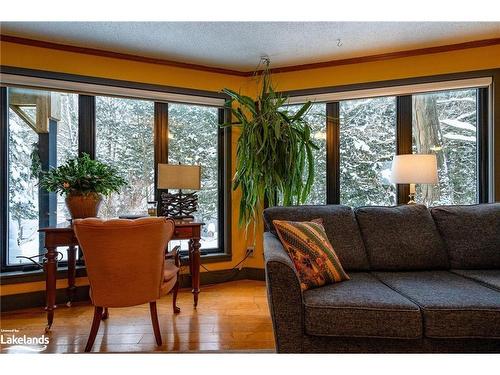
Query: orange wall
(69, 62)
(416, 66)
(76, 63)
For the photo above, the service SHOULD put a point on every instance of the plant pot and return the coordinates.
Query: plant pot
(81, 206)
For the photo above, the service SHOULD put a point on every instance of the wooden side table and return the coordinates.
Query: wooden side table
(65, 236)
(190, 230)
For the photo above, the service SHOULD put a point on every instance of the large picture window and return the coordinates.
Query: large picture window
(367, 125)
(358, 131)
(445, 124)
(42, 131)
(125, 139)
(193, 140)
(316, 117)
(367, 145)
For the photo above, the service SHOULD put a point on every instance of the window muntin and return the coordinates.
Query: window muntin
(445, 123)
(367, 146)
(41, 124)
(193, 140)
(125, 139)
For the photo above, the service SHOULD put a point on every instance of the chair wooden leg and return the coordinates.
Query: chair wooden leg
(105, 314)
(154, 321)
(95, 328)
(177, 310)
(177, 261)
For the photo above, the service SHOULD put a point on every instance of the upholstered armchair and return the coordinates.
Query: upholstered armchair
(127, 265)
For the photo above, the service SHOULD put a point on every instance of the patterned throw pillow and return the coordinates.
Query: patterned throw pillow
(311, 252)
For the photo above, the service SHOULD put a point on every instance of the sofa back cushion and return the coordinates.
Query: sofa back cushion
(401, 238)
(471, 234)
(340, 225)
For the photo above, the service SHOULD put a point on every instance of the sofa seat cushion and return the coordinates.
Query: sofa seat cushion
(361, 307)
(340, 226)
(490, 278)
(402, 238)
(471, 234)
(452, 306)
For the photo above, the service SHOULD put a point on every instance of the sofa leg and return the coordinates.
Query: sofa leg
(94, 329)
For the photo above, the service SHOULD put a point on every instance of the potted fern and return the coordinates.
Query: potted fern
(273, 151)
(83, 181)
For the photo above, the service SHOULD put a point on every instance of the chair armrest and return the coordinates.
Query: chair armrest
(174, 254)
(284, 295)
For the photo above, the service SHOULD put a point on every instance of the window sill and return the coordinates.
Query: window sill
(19, 277)
(214, 258)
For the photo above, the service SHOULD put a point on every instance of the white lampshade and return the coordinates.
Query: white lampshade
(175, 176)
(414, 169)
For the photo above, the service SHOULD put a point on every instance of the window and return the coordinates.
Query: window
(367, 145)
(42, 132)
(316, 118)
(367, 125)
(445, 123)
(42, 129)
(193, 140)
(125, 139)
(452, 116)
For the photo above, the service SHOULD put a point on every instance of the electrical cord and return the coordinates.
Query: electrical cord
(232, 269)
(232, 274)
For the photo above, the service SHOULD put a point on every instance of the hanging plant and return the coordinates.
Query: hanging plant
(273, 152)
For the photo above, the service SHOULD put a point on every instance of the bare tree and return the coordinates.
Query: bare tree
(428, 140)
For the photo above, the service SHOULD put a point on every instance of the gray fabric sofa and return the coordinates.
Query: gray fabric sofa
(422, 280)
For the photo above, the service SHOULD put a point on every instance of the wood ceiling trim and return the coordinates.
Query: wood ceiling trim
(391, 55)
(117, 55)
(292, 68)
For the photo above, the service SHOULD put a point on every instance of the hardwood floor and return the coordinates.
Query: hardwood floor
(233, 316)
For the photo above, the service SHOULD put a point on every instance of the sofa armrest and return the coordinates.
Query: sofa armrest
(284, 295)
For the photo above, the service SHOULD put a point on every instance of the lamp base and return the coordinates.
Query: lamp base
(412, 199)
(178, 206)
(412, 195)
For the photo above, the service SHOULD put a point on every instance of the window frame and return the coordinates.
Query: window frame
(87, 144)
(488, 124)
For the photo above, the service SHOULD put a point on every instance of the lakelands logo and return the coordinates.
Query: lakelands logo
(24, 340)
(14, 339)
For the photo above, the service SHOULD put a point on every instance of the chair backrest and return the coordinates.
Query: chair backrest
(124, 258)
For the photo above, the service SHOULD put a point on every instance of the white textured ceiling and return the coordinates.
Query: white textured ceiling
(239, 45)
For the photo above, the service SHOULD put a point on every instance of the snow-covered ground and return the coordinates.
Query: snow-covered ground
(29, 245)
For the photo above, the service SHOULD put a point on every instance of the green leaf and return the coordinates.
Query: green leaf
(302, 111)
(273, 151)
(83, 175)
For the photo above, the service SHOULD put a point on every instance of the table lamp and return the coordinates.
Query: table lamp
(172, 176)
(414, 169)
